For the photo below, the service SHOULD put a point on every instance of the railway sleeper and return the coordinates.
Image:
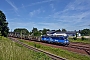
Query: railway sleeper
(87, 52)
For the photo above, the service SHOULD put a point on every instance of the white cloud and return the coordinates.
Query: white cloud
(52, 6)
(43, 11)
(78, 5)
(74, 15)
(34, 13)
(40, 2)
(23, 6)
(14, 25)
(8, 1)
(14, 7)
(71, 13)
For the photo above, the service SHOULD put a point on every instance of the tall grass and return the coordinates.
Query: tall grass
(60, 52)
(13, 51)
(80, 40)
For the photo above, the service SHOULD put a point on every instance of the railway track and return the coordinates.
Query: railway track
(86, 48)
(54, 57)
(81, 47)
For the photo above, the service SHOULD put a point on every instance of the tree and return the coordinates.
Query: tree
(85, 32)
(37, 33)
(30, 32)
(34, 30)
(44, 31)
(64, 30)
(58, 30)
(21, 30)
(4, 29)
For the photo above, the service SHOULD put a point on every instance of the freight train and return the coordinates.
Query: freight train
(61, 40)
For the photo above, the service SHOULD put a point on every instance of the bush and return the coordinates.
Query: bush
(34, 44)
(75, 38)
(83, 38)
(37, 45)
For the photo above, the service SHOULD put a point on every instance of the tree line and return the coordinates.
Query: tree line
(36, 32)
(85, 32)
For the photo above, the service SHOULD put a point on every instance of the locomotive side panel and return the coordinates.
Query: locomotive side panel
(59, 40)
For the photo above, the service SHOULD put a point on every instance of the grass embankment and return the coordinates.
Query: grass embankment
(60, 52)
(10, 50)
(85, 40)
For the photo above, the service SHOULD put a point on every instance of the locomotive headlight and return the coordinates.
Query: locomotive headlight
(65, 42)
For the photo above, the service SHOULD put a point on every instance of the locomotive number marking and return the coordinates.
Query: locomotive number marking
(56, 40)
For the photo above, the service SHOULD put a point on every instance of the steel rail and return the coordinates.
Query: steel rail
(85, 48)
(52, 56)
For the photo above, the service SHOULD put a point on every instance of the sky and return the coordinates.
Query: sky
(50, 14)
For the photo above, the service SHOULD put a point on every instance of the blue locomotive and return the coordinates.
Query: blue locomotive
(62, 40)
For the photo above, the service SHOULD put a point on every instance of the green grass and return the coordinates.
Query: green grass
(10, 50)
(60, 52)
(86, 41)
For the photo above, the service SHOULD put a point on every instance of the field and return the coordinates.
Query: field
(10, 50)
(85, 40)
(60, 52)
